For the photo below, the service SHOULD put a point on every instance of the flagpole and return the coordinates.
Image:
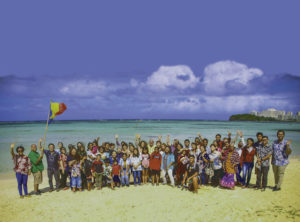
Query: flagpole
(47, 125)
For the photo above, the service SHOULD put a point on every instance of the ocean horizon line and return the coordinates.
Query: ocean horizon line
(89, 120)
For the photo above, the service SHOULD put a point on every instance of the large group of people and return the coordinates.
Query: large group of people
(225, 162)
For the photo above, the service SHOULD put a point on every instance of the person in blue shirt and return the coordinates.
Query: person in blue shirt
(53, 165)
(281, 149)
(167, 166)
(114, 156)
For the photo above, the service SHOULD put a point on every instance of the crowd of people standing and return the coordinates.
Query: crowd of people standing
(225, 162)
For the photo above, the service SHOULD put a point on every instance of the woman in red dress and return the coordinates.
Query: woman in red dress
(182, 161)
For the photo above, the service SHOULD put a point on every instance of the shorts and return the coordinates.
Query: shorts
(155, 172)
(116, 179)
(76, 182)
(107, 180)
(37, 177)
(145, 168)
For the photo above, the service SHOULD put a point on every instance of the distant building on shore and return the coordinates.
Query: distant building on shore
(277, 114)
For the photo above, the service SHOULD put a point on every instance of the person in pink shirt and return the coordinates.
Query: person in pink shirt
(95, 145)
(145, 164)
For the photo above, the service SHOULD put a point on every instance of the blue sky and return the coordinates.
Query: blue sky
(158, 59)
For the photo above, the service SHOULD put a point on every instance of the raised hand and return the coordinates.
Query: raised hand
(12, 145)
(12, 149)
(229, 133)
(159, 138)
(241, 134)
(116, 136)
(40, 144)
(168, 138)
(289, 142)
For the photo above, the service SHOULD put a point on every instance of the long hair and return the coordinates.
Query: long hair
(77, 156)
(136, 155)
(143, 142)
(168, 148)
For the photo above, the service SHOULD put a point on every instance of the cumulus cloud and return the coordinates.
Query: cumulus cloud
(225, 76)
(226, 87)
(178, 77)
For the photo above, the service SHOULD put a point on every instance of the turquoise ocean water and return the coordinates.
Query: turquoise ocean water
(26, 133)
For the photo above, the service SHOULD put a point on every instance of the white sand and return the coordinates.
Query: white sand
(148, 203)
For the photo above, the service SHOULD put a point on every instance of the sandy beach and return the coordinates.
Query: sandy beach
(148, 203)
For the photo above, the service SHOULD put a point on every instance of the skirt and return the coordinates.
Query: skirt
(228, 180)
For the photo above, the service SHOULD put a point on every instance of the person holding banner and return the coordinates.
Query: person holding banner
(53, 165)
(53, 157)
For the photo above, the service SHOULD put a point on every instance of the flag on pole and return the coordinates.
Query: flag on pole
(56, 109)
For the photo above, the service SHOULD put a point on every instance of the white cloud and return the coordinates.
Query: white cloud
(134, 83)
(84, 88)
(179, 77)
(189, 104)
(222, 73)
(226, 104)
(242, 103)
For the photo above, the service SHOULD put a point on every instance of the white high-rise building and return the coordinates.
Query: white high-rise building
(277, 114)
(253, 113)
(271, 113)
